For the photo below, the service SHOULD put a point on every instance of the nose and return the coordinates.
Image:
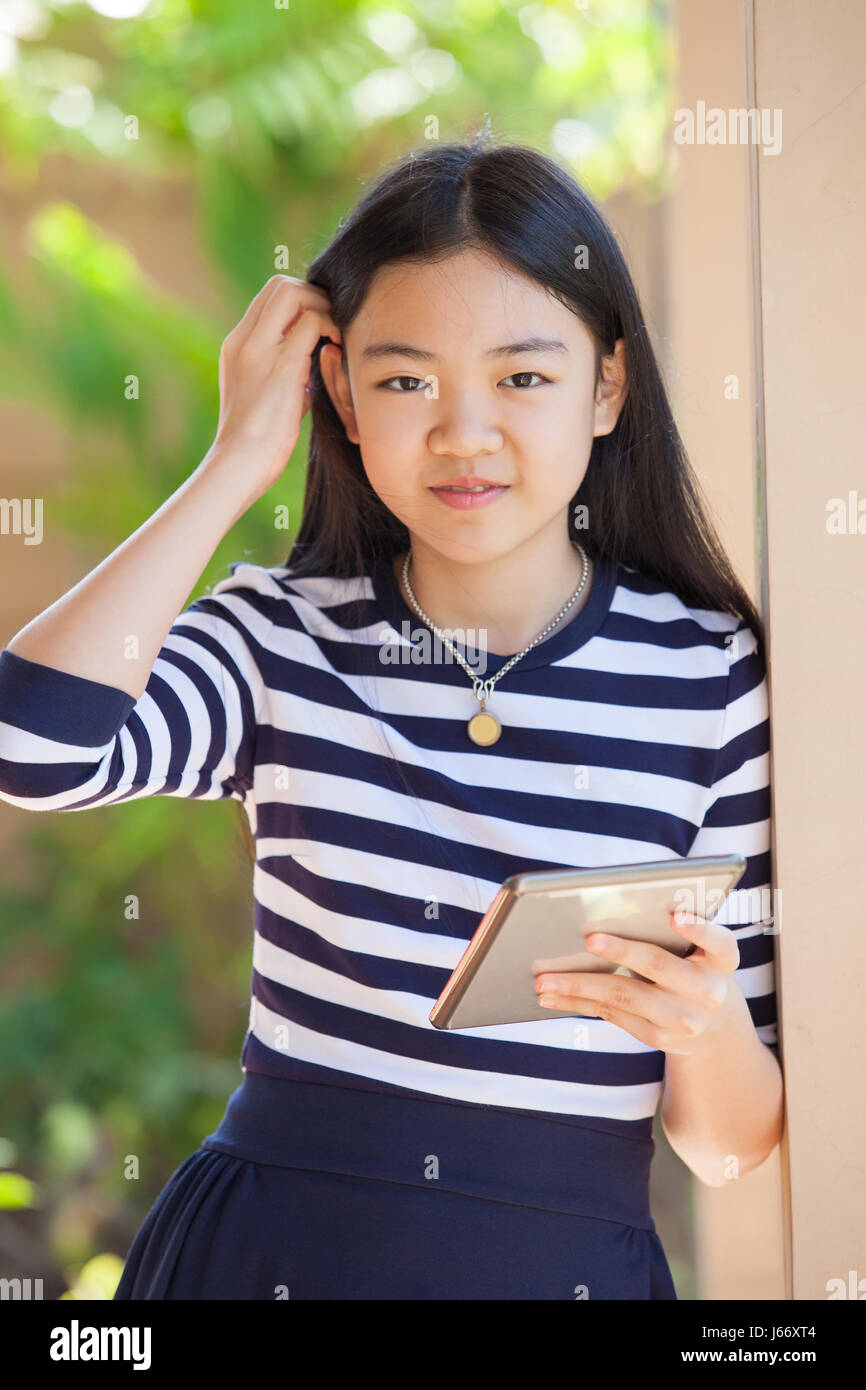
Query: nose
(464, 427)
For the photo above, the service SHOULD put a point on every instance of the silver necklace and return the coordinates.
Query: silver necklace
(484, 728)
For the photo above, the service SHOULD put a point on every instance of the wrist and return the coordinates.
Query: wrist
(230, 471)
(732, 1021)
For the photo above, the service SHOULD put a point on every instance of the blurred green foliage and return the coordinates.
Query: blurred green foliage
(120, 1035)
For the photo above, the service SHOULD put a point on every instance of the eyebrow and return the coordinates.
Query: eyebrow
(517, 349)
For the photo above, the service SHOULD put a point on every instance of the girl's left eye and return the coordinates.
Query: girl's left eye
(516, 374)
(386, 384)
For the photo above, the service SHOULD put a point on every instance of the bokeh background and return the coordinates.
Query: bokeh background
(158, 162)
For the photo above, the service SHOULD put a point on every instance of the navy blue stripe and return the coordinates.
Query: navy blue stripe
(366, 903)
(377, 972)
(762, 1008)
(555, 682)
(751, 743)
(577, 811)
(675, 634)
(754, 950)
(747, 808)
(555, 1063)
(415, 847)
(42, 780)
(746, 673)
(756, 873)
(293, 748)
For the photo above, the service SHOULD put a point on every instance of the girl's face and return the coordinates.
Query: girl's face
(467, 371)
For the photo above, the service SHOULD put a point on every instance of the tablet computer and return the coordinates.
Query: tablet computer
(537, 922)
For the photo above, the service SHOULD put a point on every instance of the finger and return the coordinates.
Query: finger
(300, 340)
(702, 984)
(284, 307)
(571, 1005)
(628, 997)
(307, 293)
(718, 941)
(640, 1028)
(245, 325)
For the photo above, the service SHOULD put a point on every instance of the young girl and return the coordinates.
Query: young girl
(524, 541)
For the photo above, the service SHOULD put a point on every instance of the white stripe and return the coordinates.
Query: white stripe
(384, 873)
(358, 934)
(458, 1083)
(668, 608)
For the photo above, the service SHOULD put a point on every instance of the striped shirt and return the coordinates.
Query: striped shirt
(637, 731)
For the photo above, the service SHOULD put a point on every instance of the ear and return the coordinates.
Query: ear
(611, 391)
(335, 375)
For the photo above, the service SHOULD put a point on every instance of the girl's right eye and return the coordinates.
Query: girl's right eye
(385, 385)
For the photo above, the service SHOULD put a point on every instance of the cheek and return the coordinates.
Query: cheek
(566, 421)
(390, 447)
(388, 475)
(381, 429)
(557, 428)
(559, 445)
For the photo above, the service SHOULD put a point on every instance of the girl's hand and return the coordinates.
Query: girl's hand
(264, 369)
(674, 1014)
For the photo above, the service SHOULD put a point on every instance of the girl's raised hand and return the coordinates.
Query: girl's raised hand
(264, 368)
(675, 1006)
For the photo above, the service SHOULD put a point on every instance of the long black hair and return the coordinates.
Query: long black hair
(643, 501)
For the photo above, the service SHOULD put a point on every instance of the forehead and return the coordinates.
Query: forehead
(467, 296)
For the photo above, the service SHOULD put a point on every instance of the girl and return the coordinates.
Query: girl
(524, 541)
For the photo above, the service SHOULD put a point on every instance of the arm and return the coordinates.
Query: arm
(725, 1099)
(105, 695)
(73, 732)
(713, 1014)
(722, 1105)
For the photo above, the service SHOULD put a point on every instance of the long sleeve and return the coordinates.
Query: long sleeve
(68, 743)
(737, 821)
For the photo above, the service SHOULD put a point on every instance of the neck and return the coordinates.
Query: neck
(507, 600)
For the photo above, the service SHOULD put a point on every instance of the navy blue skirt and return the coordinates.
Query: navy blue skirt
(311, 1191)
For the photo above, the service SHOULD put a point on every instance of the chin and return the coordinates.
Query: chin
(478, 550)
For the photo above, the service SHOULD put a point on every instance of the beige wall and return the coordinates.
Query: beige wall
(812, 198)
(767, 283)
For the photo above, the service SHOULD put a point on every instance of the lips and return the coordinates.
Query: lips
(466, 494)
(470, 482)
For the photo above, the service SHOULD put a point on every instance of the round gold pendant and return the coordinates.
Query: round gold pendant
(484, 728)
